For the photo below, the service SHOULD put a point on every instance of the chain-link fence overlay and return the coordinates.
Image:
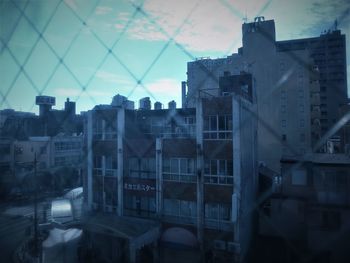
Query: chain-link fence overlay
(111, 51)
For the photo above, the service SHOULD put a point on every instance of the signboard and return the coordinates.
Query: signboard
(139, 187)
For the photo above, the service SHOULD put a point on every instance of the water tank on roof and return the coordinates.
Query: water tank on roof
(172, 105)
(145, 103)
(158, 105)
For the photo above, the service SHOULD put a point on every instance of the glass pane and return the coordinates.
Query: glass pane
(152, 164)
(206, 167)
(190, 166)
(174, 166)
(229, 122)
(229, 167)
(166, 165)
(213, 167)
(183, 166)
(222, 124)
(206, 123)
(213, 123)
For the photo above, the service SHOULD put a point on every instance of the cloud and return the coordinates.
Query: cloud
(165, 86)
(71, 92)
(214, 25)
(110, 77)
(210, 25)
(207, 25)
(103, 10)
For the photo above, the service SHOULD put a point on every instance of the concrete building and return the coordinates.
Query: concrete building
(329, 54)
(50, 122)
(186, 169)
(306, 215)
(287, 76)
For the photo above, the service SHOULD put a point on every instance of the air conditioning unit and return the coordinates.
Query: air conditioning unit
(220, 244)
(226, 94)
(233, 247)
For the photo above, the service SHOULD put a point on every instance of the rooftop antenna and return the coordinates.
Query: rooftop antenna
(245, 18)
(336, 24)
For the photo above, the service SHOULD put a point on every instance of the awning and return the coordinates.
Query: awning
(139, 232)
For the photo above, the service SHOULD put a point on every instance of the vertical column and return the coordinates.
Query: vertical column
(120, 171)
(89, 160)
(132, 252)
(103, 166)
(200, 170)
(236, 146)
(103, 130)
(159, 177)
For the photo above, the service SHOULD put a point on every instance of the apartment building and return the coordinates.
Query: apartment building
(307, 214)
(300, 85)
(191, 169)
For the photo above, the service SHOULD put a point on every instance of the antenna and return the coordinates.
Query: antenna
(245, 18)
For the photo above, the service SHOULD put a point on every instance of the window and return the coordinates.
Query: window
(215, 211)
(299, 177)
(142, 167)
(181, 208)
(302, 137)
(283, 123)
(97, 162)
(330, 220)
(217, 127)
(283, 108)
(283, 94)
(139, 205)
(42, 149)
(218, 171)
(179, 169)
(302, 123)
(284, 137)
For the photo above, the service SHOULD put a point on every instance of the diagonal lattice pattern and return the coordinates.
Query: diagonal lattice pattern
(82, 22)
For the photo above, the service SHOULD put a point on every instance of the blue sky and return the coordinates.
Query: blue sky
(92, 50)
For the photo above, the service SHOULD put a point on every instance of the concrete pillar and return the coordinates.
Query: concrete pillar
(155, 252)
(236, 146)
(89, 160)
(159, 177)
(132, 253)
(103, 165)
(120, 171)
(200, 171)
(183, 94)
(103, 129)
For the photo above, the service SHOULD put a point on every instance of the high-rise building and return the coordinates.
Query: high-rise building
(292, 110)
(329, 54)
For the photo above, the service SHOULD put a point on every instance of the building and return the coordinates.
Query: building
(297, 99)
(329, 54)
(345, 130)
(50, 122)
(186, 169)
(59, 156)
(305, 216)
(6, 164)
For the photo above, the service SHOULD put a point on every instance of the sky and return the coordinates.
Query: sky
(91, 50)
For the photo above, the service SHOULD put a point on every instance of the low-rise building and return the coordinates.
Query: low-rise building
(309, 212)
(192, 169)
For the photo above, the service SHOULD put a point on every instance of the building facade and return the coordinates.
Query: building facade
(307, 212)
(193, 169)
(297, 100)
